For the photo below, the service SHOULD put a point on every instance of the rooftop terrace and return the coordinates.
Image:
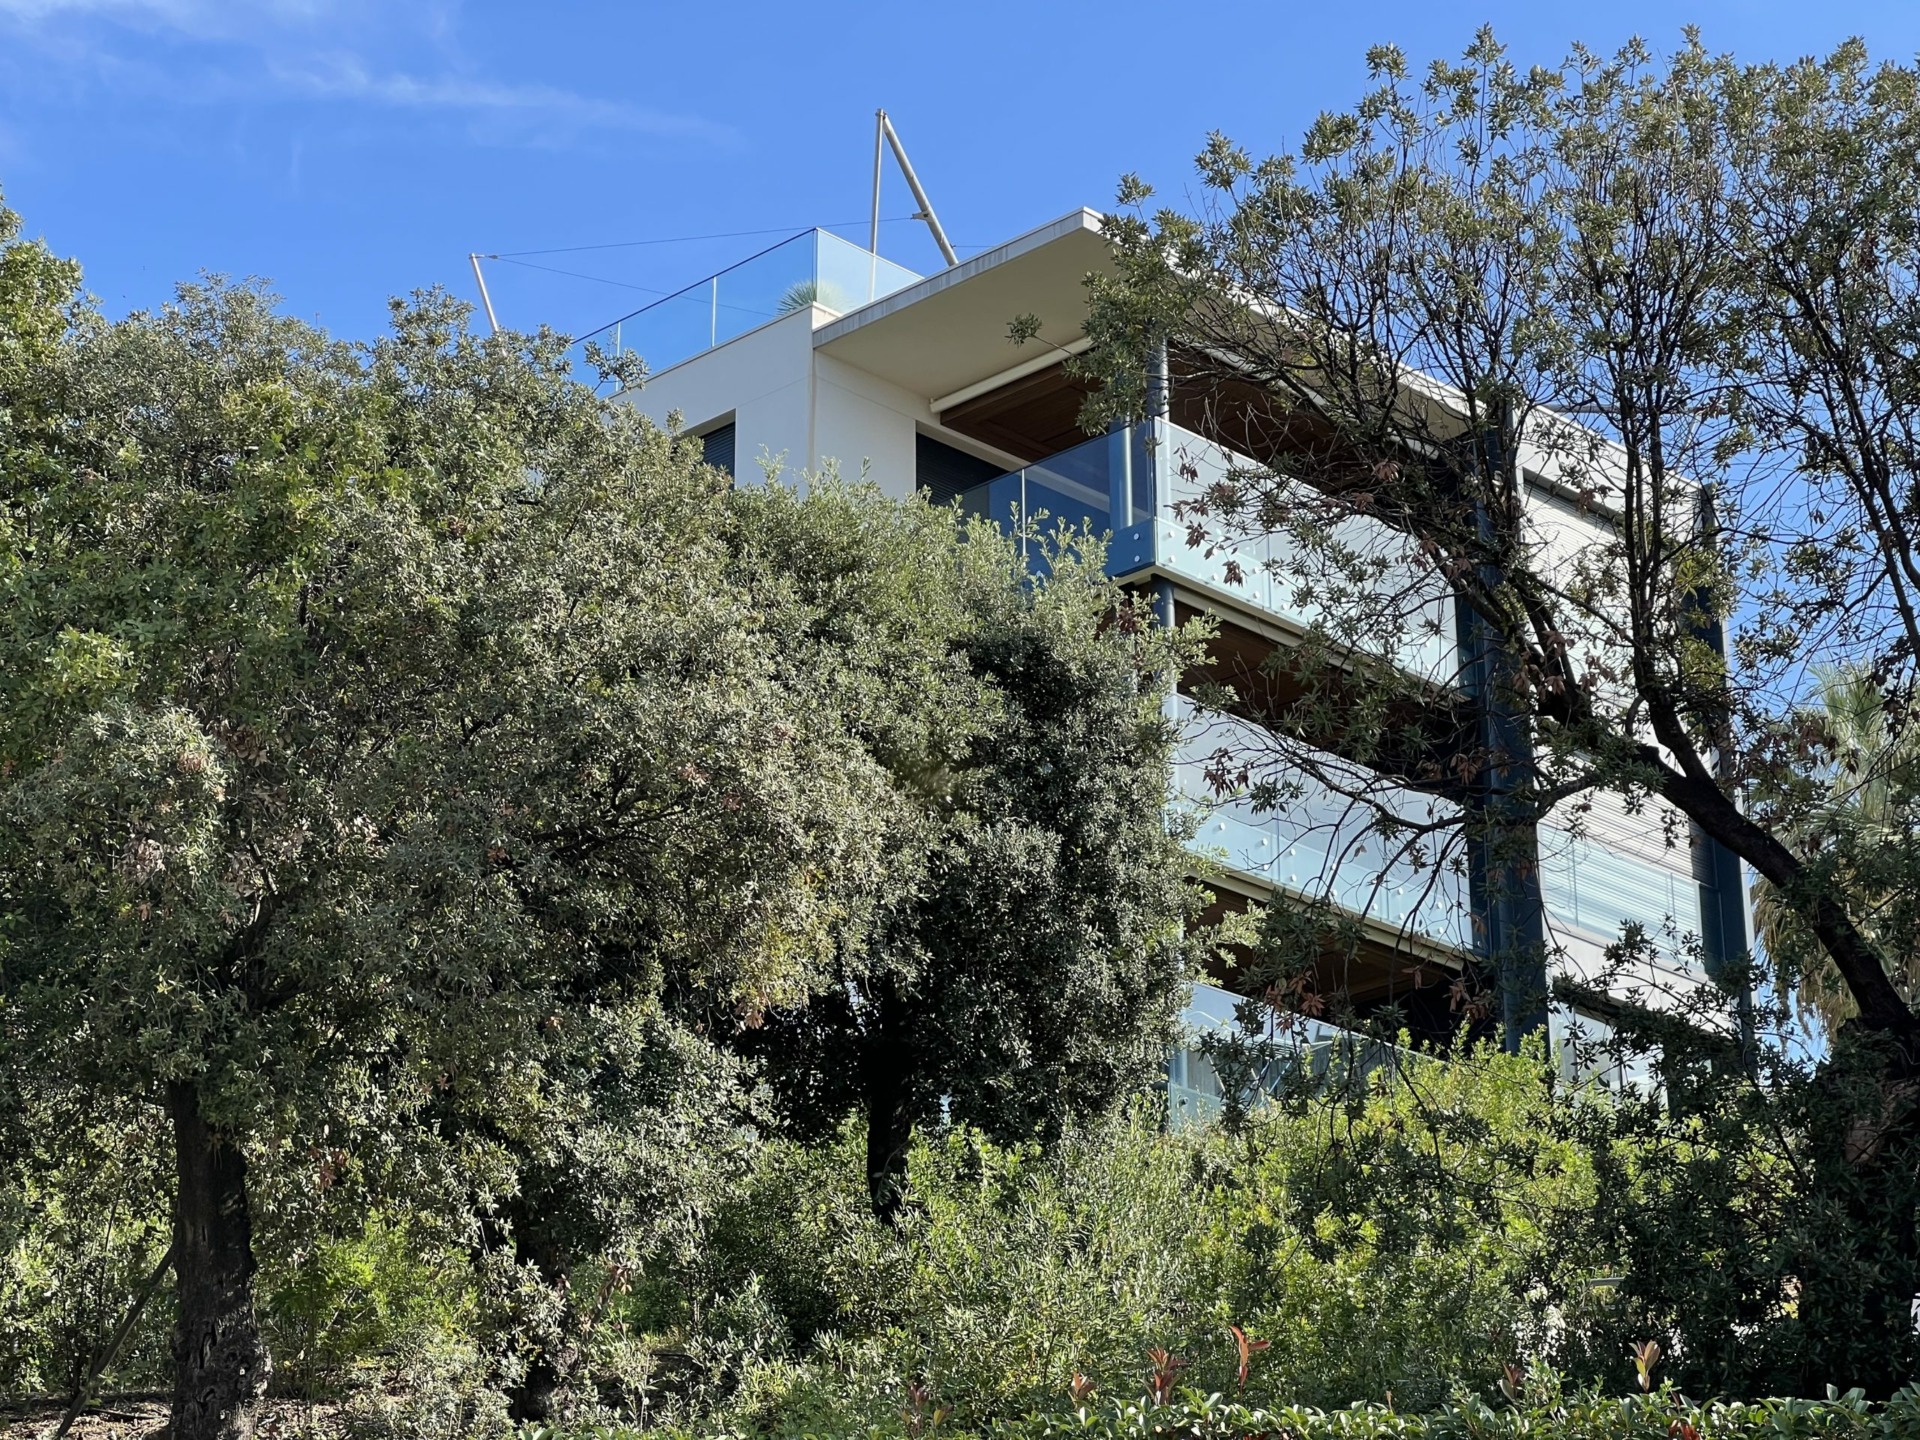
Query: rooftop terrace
(813, 267)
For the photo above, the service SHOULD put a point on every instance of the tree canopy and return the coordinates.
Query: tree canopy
(1673, 297)
(1031, 944)
(415, 772)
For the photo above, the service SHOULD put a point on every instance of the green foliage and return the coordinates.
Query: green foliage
(83, 1222)
(430, 789)
(1410, 1233)
(380, 743)
(1635, 280)
(1542, 1411)
(1852, 809)
(1760, 1206)
(1538, 1409)
(1669, 299)
(1028, 946)
(434, 795)
(344, 1306)
(443, 1391)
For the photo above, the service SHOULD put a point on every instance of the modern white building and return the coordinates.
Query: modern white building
(816, 352)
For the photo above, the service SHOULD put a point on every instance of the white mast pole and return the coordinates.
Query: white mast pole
(486, 300)
(919, 195)
(873, 240)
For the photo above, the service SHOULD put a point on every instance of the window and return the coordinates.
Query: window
(1595, 888)
(716, 447)
(942, 473)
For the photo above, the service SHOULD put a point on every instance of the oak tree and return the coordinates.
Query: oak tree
(378, 745)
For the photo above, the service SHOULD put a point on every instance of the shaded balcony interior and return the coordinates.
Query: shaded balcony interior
(1038, 415)
(1253, 673)
(1138, 485)
(1365, 979)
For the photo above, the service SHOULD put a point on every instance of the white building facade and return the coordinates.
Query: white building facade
(817, 354)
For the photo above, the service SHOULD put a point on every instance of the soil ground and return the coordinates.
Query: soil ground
(144, 1417)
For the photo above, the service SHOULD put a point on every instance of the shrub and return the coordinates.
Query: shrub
(1541, 1412)
(1664, 1415)
(83, 1222)
(361, 1302)
(1421, 1230)
(442, 1391)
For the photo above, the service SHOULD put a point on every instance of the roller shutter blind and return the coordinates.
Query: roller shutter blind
(716, 448)
(942, 472)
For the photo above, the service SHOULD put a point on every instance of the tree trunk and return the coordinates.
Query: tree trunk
(532, 1399)
(885, 1079)
(220, 1361)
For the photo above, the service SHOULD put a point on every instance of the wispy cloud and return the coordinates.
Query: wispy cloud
(344, 77)
(262, 51)
(198, 19)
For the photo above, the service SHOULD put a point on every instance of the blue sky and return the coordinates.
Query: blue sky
(349, 150)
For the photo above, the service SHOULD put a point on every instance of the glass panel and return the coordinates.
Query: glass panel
(998, 500)
(1585, 1049)
(1072, 488)
(1140, 462)
(1596, 889)
(668, 331)
(1319, 843)
(1193, 1090)
(764, 288)
(1270, 572)
(851, 276)
(810, 268)
(890, 277)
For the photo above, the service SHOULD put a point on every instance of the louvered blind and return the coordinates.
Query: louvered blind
(716, 448)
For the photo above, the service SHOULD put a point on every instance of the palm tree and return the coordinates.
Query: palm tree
(799, 296)
(1859, 823)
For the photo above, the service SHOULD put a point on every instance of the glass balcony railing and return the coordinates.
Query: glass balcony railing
(1130, 486)
(1319, 842)
(1126, 486)
(1595, 890)
(1297, 1049)
(814, 267)
(1081, 489)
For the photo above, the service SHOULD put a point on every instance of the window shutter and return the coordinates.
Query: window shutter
(716, 448)
(943, 472)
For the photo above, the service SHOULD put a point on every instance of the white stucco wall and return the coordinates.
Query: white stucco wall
(762, 378)
(863, 420)
(792, 404)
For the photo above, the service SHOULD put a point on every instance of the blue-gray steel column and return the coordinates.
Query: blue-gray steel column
(1725, 940)
(1504, 841)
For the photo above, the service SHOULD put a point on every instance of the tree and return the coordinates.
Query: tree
(1679, 298)
(1868, 768)
(377, 748)
(1029, 947)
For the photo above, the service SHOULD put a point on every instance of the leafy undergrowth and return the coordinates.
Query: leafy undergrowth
(1538, 1414)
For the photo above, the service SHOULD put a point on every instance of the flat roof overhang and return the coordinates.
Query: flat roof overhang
(948, 332)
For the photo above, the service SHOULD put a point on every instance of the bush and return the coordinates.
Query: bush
(1539, 1412)
(1421, 1231)
(358, 1303)
(83, 1222)
(1664, 1415)
(443, 1391)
